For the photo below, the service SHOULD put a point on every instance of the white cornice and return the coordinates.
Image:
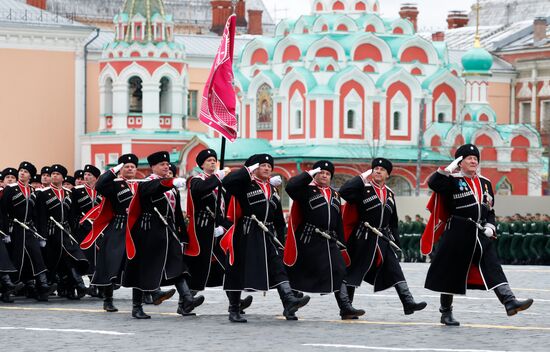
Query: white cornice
(51, 38)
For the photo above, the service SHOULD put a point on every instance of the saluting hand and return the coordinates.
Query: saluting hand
(117, 168)
(454, 165)
(276, 181)
(251, 168)
(314, 172)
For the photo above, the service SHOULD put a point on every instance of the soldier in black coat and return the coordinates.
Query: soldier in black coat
(254, 256)
(466, 254)
(110, 221)
(18, 207)
(83, 199)
(157, 239)
(53, 216)
(372, 258)
(8, 288)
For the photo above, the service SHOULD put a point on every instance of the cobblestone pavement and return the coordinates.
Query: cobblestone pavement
(82, 325)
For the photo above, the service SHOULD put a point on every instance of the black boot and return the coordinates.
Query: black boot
(81, 289)
(235, 306)
(409, 305)
(344, 303)
(511, 304)
(245, 303)
(137, 305)
(108, 300)
(291, 303)
(9, 288)
(160, 296)
(446, 310)
(43, 290)
(187, 302)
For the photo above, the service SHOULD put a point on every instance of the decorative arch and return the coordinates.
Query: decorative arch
(318, 6)
(282, 27)
(327, 43)
(256, 82)
(444, 101)
(259, 56)
(251, 50)
(134, 69)
(400, 185)
(360, 5)
(338, 5)
(369, 46)
(486, 145)
(418, 49)
(520, 152)
(402, 26)
(347, 21)
(352, 103)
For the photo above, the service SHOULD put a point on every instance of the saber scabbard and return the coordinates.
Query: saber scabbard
(381, 235)
(330, 238)
(266, 230)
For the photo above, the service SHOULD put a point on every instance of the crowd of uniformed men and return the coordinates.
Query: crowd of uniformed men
(123, 231)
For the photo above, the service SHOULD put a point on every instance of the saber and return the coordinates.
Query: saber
(480, 227)
(381, 235)
(63, 229)
(3, 234)
(210, 212)
(163, 219)
(266, 230)
(88, 219)
(330, 238)
(26, 227)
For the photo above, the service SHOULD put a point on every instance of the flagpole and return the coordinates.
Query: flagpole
(222, 157)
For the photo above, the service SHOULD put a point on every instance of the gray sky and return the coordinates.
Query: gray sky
(433, 13)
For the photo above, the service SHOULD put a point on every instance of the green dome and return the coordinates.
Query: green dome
(477, 60)
(146, 8)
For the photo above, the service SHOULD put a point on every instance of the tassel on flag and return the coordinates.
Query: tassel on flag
(218, 97)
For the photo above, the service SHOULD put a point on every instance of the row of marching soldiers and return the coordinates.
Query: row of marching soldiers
(236, 235)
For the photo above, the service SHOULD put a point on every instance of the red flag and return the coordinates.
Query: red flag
(218, 97)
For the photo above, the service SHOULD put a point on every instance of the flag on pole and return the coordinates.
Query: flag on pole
(218, 97)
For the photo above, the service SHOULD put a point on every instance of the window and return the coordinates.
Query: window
(192, 103)
(399, 115)
(135, 95)
(545, 115)
(443, 109)
(525, 112)
(100, 161)
(400, 186)
(441, 117)
(350, 121)
(352, 113)
(296, 114)
(113, 158)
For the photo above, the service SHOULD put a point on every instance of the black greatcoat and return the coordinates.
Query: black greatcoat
(258, 263)
(60, 249)
(84, 198)
(111, 257)
(462, 247)
(6, 266)
(319, 266)
(206, 268)
(158, 259)
(26, 254)
(372, 259)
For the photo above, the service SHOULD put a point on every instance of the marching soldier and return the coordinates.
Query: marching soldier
(17, 207)
(36, 182)
(315, 235)
(79, 177)
(69, 182)
(157, 237)
(9, 175)
(45, 176)
(466, 252)
(110, 219)
(253, 243)
(83, 199)
(370, 222)
(53, 209)
(6, 268)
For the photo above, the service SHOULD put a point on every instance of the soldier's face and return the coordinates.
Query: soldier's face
(264, 171)
(24, 176)
(9, 179)
(161, 169)
(469, 164)
(379, 175)
(79, 181)
(89, 178)
(68, 185)
(209, 165)
(36, 185)
(57, 178)
(128, 171)
(45, 179)
(323, 178)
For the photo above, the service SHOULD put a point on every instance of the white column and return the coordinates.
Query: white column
(179, 106)
(120, 105)
(320, 118)
(533, 112)
(79, 108)
(151, 104)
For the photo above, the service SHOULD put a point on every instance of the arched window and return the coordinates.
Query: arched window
(264, 108)
(441, 117)
(165, 96)
(135, 103)
(504, 187)
(338, 180)
(444, 108)
(399, 115)
(400, 186)
(296, 114)
(352, 110)
(108, 100)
